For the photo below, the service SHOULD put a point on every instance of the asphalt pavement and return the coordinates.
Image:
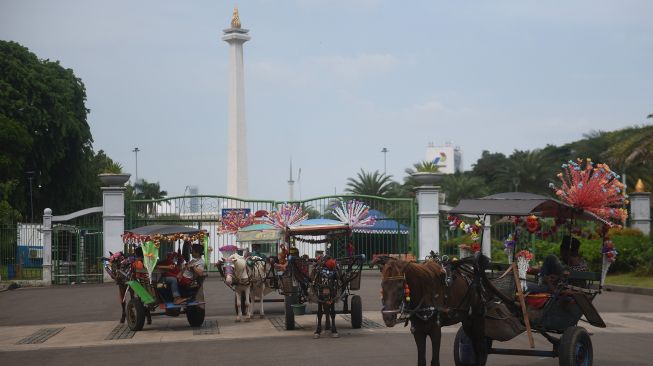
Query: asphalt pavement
(87, 313)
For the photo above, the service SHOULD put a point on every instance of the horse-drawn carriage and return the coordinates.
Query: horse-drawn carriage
(496, 303)
(326, 279)
(511, 311)
(138, 271)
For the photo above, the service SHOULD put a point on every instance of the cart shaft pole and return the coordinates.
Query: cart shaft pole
(522, 303)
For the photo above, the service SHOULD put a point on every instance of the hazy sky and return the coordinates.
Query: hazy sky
(331, 83)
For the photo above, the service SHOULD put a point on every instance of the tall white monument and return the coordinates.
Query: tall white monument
(237, 131)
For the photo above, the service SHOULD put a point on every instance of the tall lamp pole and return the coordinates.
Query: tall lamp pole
(30, 177)
(385, 152)
(135, 151)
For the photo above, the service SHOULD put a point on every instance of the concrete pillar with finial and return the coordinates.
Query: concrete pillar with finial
(640, 208)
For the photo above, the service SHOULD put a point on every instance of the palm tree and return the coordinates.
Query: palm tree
(422, 167)
(635, 148)
(371, 184)
(149, 191)
(458, 186)
(526, 171)
(631, 153)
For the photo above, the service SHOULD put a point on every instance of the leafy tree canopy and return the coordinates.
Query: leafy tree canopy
(45, 136)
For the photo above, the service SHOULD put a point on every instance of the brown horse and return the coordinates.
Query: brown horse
(428, 297)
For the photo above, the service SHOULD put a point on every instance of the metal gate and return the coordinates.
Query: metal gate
(76, 255)
(395, 231)
(21, 252)
(77, 249)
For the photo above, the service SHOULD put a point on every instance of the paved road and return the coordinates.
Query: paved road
(87, 303)
(88, 313)
(376, 349)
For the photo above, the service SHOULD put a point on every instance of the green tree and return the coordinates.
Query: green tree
(488, 168)
(527, 171)
(370, 183)
(460, 185)
(633, 154)
(144, 190)
(48, 102)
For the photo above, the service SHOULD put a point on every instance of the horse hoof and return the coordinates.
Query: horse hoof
(237, 320)
(335, 335)
(316, 335)
(262, 316)
(247, 320)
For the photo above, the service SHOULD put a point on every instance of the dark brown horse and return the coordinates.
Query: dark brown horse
(429, 297)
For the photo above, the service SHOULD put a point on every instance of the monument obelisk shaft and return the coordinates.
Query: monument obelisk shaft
(237, 182)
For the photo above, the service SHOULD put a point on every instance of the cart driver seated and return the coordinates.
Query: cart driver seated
(553, 269)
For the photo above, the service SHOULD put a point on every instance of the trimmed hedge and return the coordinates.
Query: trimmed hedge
(635, 251)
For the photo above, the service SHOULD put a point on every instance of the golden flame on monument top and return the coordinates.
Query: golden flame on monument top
(235, 19)
(639, 187)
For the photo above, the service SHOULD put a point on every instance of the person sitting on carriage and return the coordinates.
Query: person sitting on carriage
(172, 274)
(195, 267)
(552, 269)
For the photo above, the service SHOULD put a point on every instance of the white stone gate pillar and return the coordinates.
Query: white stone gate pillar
(113, 212)
(47, 247)
(640, 209)
(428, 220)
(486, 249)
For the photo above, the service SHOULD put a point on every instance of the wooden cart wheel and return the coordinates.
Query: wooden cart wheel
(463, 351)
(356, 312)
(575, 348)
(135, 314)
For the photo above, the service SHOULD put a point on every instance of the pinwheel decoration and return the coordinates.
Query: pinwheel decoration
(288, 214)
(235, 220)
(594, 188)
(353, 213)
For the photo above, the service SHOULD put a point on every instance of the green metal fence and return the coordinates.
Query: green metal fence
(21, 252)
(396, 220)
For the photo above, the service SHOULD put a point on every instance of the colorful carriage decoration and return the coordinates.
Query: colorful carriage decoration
(589, 193)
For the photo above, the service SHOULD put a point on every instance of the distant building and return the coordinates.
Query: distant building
(194, 201)
(448, 158)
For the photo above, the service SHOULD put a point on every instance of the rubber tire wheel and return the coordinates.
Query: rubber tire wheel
(569, 351)
(462, 337)
(356, 312)
(135, 314)
(195, 316)
(289, 300)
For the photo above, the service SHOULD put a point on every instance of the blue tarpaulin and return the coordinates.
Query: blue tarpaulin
(383, 225)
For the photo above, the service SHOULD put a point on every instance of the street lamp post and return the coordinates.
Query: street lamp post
(30, 177)
(385, 152)
(135, 151)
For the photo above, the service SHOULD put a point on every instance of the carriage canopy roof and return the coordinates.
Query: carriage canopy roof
(318, 227)
(164, 230)
(521, 204)
(258, 232)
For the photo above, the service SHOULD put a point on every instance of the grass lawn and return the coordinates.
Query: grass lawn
(628, 279)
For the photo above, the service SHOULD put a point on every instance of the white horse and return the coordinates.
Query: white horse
(245, 281)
